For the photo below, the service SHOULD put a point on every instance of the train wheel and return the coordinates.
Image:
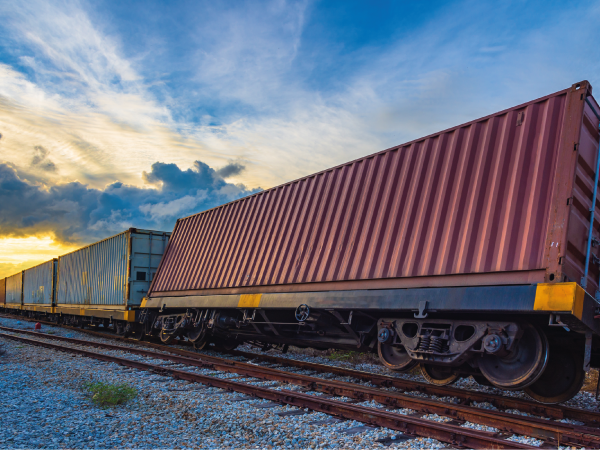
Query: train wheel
(166, 338)
(137, 334)
(522, 366)
(196, 334)
(395, 357)
(199, 345)
(439, 375)
(562, 378)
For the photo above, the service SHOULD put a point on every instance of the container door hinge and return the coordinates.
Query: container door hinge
(575, 146)
(520, 118)
(594, 260)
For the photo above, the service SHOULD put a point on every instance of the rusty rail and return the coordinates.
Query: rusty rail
(551, 432)
(466, 397)
(452, 434)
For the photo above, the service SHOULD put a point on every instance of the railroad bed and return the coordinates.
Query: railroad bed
(411, 419)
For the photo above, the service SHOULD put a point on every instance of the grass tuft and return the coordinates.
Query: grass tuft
(591, 381)
(351, 357)
(341, 355)
(107, 394)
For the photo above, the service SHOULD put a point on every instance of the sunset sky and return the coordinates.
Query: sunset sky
(117, 114)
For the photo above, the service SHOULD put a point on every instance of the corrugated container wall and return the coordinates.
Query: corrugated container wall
(580, 195)
(2, 291)
(100, 274)
(474, 199)
(38, 284)
(14, 289)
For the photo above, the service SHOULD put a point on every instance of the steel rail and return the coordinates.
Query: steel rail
(452, 434)
(511, 423)
(466, 397)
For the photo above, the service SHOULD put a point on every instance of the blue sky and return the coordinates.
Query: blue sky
(93, 94)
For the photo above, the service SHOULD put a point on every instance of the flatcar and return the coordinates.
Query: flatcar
(472, 251)
(469, 252)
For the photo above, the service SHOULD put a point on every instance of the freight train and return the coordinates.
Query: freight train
(472, 251)
(100, 284)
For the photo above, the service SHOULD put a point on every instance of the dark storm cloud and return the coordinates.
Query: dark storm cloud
(76, 213)
(230, 170)
(41, 160)
(173, 179)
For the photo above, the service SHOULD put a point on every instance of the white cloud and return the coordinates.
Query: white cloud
(97, 115)
(174, 208)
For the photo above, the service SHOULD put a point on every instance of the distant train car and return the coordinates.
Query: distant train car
(471, 251)
(105, 282)
(14, 291)
(39, 287)
(2, 292)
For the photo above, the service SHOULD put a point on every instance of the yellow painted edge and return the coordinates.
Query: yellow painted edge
(144, 302)
(37, 308)
(128, 316)
(558, 297)
(13, 306)
(249, 300)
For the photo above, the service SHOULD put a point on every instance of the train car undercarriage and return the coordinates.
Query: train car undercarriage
(544, 349)
(537, 338)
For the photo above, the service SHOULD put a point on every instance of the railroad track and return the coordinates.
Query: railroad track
(465, 397)
(552, 433)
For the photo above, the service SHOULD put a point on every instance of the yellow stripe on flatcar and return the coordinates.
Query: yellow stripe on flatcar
(249, 300)
(558, 297)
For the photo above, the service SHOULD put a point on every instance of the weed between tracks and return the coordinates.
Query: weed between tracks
(591, 380)
(339, 355)
(107, 394)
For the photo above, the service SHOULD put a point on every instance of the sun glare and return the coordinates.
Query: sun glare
(18, 253)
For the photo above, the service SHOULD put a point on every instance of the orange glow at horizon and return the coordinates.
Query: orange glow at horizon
(19, 253)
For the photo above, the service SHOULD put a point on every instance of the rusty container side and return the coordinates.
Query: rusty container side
(2, 291)
(14, 289)
(467, 206)
(38, 284)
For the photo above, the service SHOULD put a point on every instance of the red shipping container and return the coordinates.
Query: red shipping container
(503, 199)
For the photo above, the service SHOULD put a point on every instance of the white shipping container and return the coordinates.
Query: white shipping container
(39, 283)
(115, 272)
(14, 289)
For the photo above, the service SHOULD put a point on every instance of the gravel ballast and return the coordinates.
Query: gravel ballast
(45, 405)
(42, 391)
